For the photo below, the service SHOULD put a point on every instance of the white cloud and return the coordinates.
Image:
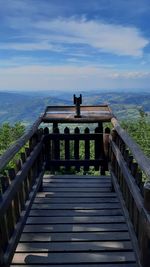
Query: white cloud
(53, 34)
(70, 78)
(116, 39)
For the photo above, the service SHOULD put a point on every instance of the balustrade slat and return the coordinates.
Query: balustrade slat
(87, 149)
(16, 201)
(67, 147)
(76, 147)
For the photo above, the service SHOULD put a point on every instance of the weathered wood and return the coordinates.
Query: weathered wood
(141, 159)
(24, 214)
(129, 179)
(130, 227)
(85, 206)
(80, 212)
(87, 149)
(147, 195)
(74, 200)
(76, 135)
(81, 265)
(71, 236)
(16, 203)
(67, 147)
(47, 148)
(98, 146)
(76, 147)
(84, 227)
(65, 258)
(138, 214)
(81, 246)
(20, 176)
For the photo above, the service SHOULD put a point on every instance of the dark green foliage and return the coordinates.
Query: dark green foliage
(139, 130)
(9, 134)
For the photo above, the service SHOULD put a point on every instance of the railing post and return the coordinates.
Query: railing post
(145, 235)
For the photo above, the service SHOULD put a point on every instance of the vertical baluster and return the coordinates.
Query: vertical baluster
(4, 236)
(87, 150)
(147, 195)
(99, 148)
(144, 233)
(40, 158)
(21, 189)
(33, 172)
(129, 161)
(47, 148)
(26, 186)
(76, 148)
(4, 233)
(56, 148)
(67, 147)
(27, 154)
(1, 242)
(16, 200)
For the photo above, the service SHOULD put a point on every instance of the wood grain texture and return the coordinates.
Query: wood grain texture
(79, 225)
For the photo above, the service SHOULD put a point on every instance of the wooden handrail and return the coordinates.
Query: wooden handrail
(10, 152)
(142, 160)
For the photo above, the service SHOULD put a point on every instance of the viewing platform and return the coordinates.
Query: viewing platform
(79, 195)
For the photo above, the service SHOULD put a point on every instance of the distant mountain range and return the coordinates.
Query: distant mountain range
(27, 106)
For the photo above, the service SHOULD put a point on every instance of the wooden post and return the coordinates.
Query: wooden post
(76, 147)
(99, 149)
(47, 148)
(67, 147)
(147, 195)
(87, 149)
(144, 245)
(77, 102)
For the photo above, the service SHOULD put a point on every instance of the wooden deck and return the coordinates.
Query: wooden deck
(75, 221)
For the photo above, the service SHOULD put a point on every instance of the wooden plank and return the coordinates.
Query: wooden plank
(76, 176)
(74, 246)
(65, 258)
(47, 213)
(79, 186)
(76, 206)
(67, 178)
(73, 189)
(50, 194)
(72, 236)
(85, 227)
(77, 200)
(81, 265)
(73, 194)
(75, 219)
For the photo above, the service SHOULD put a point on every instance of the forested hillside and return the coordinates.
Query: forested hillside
(26, 107)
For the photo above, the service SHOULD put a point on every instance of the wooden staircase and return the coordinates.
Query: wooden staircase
(76, 221)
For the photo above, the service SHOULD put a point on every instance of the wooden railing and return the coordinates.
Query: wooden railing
(78, 149)
(18, 186)
(40, 150)
(129, 168)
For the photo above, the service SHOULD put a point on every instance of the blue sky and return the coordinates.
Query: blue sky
(74, 45)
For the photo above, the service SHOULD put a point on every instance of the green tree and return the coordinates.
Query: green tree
(9, 134)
